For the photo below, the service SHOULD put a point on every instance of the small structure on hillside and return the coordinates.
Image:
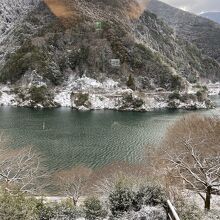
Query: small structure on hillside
(98, 25)
(115, 62)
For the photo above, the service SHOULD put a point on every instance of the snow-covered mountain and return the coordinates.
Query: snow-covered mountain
(202, 32)
(214, 16)
(95, 54)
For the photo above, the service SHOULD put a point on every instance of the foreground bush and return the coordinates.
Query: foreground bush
(146, 213)
(121, 200)
(149, 196)
(17, 207)
(21, 207)
(124, 200)
(188, 211)
(93, 209)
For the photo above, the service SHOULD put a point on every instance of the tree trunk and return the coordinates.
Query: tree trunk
(208, 198)
(74, 201)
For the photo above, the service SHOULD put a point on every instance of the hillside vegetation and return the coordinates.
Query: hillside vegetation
(202, 32)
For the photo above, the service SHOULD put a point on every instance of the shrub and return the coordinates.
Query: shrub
(81, 99)
(63, 210)
(176, 82)
(187, 211)
(38, 94)
(146, 213)
(174, 95)
(20, 207)
(44, 212)
(130, 102)
(66, 210)
(149, 196)
(121, 200)
(93, 209)
(137, 103)
(17, 207)
(130, 83)
(201, 95)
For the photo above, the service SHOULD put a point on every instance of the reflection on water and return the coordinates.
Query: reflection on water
(67, 137)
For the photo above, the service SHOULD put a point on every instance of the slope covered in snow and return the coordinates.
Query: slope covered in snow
(202, 32)
(69, 52)
(12, 12)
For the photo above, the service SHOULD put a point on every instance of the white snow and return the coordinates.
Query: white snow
(214, 89)
(95, 89)
(6, 97)
(63, 98)
(103, 102)
(106, 94)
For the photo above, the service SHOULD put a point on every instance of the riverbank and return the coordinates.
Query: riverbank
(89, 94)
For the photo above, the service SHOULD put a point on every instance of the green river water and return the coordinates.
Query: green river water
(66, 137)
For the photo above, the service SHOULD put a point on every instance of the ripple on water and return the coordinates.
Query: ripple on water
(91, 138)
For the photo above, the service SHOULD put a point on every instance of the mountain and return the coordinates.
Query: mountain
(214, 16)
(98, 54)
(202, 32)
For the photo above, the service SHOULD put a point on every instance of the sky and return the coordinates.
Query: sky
(195, 6)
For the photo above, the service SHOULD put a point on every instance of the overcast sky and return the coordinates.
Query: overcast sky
(195, 6)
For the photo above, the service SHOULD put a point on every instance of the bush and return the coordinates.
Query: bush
(124, 200)
(176, 82)
(38, 94)
(21, 207)
(146, 213)
(149, 196)
(174, 95)
(187, 211)
(67, 211)
(130, 102)
(44, 212)
(137, 103)
(121, 200)
(186, 97)
(201, 95)
(17, 207)
(81, 99)
(130, 83)
(93, 209)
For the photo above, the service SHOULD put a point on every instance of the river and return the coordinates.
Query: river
(66, 137)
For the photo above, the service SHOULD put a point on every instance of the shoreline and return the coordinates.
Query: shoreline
(87, 94)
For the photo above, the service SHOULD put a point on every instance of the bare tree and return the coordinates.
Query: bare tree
(73, 182)
(20, 169)
(105, 179)
(193, 154)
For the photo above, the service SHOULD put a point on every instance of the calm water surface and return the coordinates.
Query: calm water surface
(92, 138)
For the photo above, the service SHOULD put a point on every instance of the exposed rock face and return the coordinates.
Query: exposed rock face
(98, 54)
(204, 33)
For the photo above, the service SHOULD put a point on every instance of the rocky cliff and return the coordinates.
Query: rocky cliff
(99, 54)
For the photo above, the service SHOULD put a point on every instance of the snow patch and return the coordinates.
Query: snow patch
(6, 97)
(214, 89)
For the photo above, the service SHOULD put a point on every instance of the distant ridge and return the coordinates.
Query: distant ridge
(198, 30)
(214, 16)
